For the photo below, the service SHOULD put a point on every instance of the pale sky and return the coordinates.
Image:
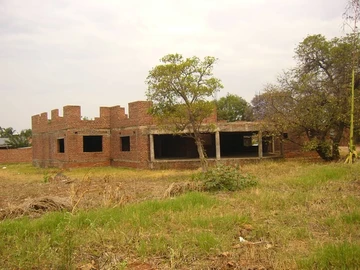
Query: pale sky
(96, 53)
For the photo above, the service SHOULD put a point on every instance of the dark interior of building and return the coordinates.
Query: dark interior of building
(167, 146)
(92, 143)
(235, 144)
(232, 144)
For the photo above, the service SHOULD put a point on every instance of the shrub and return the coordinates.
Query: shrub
(225, 177)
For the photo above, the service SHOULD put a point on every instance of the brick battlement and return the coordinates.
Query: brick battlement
(110, 117)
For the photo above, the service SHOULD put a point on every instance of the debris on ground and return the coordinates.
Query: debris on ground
(36, 207)
(179, 188)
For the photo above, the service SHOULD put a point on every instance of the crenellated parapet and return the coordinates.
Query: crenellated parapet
(39, 122)
(138, 115)
(110, 117)
(70, 140)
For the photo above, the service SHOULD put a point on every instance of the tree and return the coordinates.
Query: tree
(16, 140)
(27, 133)
(233, 108)
(180, 90)
(312, 98)
(6, 132)
(352, 15)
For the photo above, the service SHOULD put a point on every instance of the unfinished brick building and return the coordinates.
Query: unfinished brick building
(118, 139)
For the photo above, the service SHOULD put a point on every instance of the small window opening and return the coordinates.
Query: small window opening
(92, 143)
(247, 141)
(61, 145)
(251, 140)
(125, 143)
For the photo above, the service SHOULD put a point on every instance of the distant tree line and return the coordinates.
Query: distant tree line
(234, 108)
(16, 140)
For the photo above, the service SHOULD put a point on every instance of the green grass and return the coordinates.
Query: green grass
(334, 256)
(352, 218)
(300, 216)
(317, 175)
(151, 228)
(26, 169)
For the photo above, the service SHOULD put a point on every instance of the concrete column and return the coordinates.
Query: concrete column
(260, 148)
(217, 143)
(152, 152)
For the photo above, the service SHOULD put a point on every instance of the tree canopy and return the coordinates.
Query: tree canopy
(233, 108)
(181, 90)
(23, 139)
(352, 16)
(312, 98)
(6, 132)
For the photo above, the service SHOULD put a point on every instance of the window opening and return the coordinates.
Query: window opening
(125, 143)
(61, 145)
(92, 143)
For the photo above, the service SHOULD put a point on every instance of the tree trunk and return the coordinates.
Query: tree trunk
(329, 152)
(323, 152)
(336, 142)
(201, 152)
(335, 151)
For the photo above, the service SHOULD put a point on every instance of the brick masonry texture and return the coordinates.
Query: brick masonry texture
(112, 124)
(53, 135)
(16, 155)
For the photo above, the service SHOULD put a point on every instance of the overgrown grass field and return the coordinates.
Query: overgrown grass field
(299, 216)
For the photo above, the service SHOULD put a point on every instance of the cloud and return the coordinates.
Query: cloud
(98, 53)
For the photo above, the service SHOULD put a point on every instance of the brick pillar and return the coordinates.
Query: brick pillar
(152, 152)
(260, 148)
(217, 145)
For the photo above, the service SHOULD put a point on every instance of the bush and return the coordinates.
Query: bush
(224, 177)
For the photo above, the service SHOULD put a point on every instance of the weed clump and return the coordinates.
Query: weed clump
(225, 178)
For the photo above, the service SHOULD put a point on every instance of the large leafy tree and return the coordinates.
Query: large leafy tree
(233, 108)
(352, 16)
(312, 98)
(181, 90)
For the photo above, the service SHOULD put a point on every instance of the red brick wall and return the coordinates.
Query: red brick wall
(138, 156)
(46, 149)
(16, 155)
(111, 125)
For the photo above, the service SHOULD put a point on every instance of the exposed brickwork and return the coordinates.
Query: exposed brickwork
(112, 124)
(16, 155)
(59, 141)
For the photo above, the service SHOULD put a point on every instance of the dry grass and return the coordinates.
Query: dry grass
(86, 187)
(36, 207)
(297, 217)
